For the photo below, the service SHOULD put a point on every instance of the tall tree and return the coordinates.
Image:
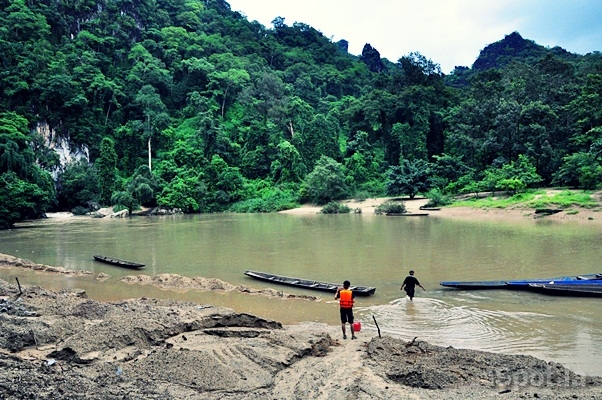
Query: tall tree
(155, 113)
(106, 166)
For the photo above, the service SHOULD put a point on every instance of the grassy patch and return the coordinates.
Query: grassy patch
(564, 199)
(534, 199)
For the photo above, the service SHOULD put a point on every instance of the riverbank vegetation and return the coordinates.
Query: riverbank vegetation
(535, 199)
(188, 105)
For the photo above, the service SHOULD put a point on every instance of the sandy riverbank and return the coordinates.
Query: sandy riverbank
(575, 214)
(64, 345)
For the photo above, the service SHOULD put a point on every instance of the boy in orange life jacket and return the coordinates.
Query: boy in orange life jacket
(345, 297)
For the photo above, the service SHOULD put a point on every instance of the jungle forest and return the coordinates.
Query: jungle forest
(187, 105)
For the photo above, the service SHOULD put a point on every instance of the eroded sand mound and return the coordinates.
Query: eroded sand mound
(179, 282)
(11, 261)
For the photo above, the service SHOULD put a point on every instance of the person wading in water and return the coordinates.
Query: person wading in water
(409, 285)
(345, 297)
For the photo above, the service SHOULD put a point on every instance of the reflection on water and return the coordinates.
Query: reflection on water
(366, 249)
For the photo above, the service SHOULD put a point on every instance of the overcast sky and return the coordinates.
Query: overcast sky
(449, 32)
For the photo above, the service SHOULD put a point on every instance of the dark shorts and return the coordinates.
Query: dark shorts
(347, 315)
(409, 291)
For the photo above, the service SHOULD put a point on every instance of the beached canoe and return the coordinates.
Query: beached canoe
(307, 283)
(523, 283)
(406, 214)
(118, 262)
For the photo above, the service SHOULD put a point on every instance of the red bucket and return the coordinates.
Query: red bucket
(357, 326)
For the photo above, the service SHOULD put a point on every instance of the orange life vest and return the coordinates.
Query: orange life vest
(346, 298)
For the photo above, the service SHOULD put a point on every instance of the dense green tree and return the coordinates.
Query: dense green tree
(580, 170)
(125, 199)
(20, 199)
(447, 169)
(143, 186)
(155, 115)
(78, 185)
(225, 184)
(186, 191)
(26, 191)
(409, 178)
(106, 167)
(288, 166)
(325, 183)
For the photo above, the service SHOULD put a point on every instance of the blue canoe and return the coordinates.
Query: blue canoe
(592, 279)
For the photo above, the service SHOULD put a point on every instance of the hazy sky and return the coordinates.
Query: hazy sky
(449, 32)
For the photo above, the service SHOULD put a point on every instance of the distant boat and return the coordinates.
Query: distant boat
(406, 214)
(307, 283)
(423, 208)
(118, 262)
(593, 279)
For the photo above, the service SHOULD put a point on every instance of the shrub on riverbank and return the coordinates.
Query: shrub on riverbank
(391, 207)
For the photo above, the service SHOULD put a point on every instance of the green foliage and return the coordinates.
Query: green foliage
(288, 166)
(125, 199)
(262, 197)
(361, 195)
(334, 207)
(186, 191)
(447, 169)
(15, 153)
(20, 199)
(437, 198)
(78, 185)
(564, 199)
(535, 199)
(325, 183)
(390, 207)
(26, 191)
(207, 100)
(580, 170)
(106, 167)
(79, 210)
(410, 178)
(143, 186)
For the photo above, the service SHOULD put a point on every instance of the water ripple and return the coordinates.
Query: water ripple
(459, 326)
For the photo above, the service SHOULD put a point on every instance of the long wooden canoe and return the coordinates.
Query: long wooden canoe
(406, 214)
(307, 283)
(118, 262)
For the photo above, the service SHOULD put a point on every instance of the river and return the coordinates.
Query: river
(366, 249)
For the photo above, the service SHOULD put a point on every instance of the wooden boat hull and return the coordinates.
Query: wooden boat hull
(118, 262)
(406, 214)
(523, 284)
(307, 283)
(581, 290)
(475, 284)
